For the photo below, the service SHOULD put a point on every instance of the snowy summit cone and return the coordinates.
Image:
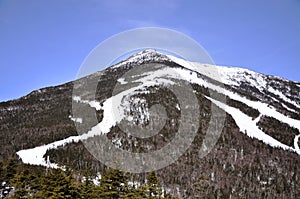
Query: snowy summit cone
(143, 57)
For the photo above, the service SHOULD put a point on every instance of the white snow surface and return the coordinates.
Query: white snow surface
(264, 108)
(142, 57)
(249, 127)
(35, 155)
(296, 143)
(282, 96)
(79, 120)
(234, 76)
(122, 81)
(227, 75)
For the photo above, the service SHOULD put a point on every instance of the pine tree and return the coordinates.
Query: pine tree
(114, 184)
(22, 184)
(59, 184)
(89, 190)
(153, 185)
(11, 169)
(1, 171)
(200, 187)
(136, 192)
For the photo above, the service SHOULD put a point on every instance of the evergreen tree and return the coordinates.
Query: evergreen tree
(11, 169)
(22, 184)
(153, 185)
(33, 182)
(58, 184)
(113, 184)
(1, 171)
(138, 192)
(89, 190)
(200, 187)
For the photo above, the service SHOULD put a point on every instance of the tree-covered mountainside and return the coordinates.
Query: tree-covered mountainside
(256, 155)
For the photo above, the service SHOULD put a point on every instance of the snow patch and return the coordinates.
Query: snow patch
(122, 81)
(296, 144)
(227, 75)
(282, 96)
(143, 57)
(35, 156)
(93, 104)
(249, 127)
(79, 120)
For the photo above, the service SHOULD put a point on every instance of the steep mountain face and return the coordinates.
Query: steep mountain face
(256, 155)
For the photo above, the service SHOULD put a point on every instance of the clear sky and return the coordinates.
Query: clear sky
(43, 43)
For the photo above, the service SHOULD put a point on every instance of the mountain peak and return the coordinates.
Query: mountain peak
(145, 56)
(147, 51)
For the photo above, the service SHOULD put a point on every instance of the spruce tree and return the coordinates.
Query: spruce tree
(58, 184)
(153, 185)
(11, 169)
(200, 187)
(113, 184)
(22, 184)
(89, 190)
(1, 171)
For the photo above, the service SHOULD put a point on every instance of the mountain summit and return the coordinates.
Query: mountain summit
(256, 153)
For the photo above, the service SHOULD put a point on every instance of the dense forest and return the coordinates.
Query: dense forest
(26, 181)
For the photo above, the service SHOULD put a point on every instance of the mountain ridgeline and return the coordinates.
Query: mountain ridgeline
(256, 154)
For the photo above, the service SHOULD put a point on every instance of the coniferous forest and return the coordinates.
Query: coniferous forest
(26, 181)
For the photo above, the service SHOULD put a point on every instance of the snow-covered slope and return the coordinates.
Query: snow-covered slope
(143, 57)
(237, 77)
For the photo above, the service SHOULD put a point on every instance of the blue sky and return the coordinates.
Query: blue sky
(43, 43)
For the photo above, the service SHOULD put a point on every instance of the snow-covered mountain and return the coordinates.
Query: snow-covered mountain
(257, 151)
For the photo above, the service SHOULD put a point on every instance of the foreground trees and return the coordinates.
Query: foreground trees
(35, 182)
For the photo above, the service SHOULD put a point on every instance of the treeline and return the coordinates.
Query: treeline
(24, 181)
